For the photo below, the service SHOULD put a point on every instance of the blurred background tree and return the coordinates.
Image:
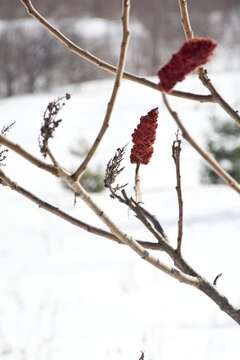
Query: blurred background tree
(94, 24)
(224, 144)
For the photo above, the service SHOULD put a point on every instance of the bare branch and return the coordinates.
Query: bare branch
(185, 19)
(150, 221)
(203, 76)
(5, 180)
(220, 300)
(86, 55)
(205, 155)
(53, 159)
(176, 150)
(121, 63)
(26, 155)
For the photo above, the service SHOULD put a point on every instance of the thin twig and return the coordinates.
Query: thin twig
(64, 216)
(176, 150)
(216, 279)
(150, 221)
(121, 63)
(26, 155)
(52, 157)
(86, 55)
(203, 76)
(204, 154)
(153, 225)
(6, 128)
(137, 187)
(140, 210)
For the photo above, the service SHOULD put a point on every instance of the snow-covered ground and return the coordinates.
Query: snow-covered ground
(67, 294)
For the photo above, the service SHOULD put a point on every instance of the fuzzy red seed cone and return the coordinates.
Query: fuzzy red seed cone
(143, 138)
(193, 53)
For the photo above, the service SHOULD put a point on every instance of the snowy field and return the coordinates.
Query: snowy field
(66, 294)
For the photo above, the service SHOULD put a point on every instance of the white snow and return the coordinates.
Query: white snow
(67, 294)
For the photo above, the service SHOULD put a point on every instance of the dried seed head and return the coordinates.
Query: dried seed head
(50, 122)
(114, 167)
(4, 151)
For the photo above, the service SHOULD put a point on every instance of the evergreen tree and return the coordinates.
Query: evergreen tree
(224, 145)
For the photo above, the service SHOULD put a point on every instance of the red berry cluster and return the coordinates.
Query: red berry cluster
(143, 138)
(192, 54)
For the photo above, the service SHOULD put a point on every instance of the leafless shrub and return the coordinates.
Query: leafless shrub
(178, 268)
